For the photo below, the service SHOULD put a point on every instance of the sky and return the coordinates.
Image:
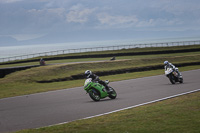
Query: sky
(59, 21)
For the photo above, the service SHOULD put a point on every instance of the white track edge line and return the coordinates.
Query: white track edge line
(154, 101)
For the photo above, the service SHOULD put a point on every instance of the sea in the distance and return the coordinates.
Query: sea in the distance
(10, 51)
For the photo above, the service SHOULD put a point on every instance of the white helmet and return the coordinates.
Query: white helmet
(88, 73)
(166, 62)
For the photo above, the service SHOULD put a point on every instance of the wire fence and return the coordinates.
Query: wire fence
(107, 48)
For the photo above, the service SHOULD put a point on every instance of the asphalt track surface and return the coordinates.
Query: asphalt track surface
(49, 108)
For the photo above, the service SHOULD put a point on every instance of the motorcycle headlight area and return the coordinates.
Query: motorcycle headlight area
(86, 85)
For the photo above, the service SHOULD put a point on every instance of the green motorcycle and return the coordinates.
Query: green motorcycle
(97, 91)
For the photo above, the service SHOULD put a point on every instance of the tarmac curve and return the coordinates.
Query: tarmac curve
(62, 106)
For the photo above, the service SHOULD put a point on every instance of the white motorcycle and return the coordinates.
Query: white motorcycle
(173, 75)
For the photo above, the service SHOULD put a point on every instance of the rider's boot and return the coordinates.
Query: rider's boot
(180, 75)
(106, 86)
(108, 89)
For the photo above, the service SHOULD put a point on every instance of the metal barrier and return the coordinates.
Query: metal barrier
(81, 50)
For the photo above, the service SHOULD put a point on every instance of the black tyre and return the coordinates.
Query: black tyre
(113, 94)
(181, 80)
(172, 79)
(94, 95)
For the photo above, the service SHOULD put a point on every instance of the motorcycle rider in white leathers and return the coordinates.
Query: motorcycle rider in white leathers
(170, 65)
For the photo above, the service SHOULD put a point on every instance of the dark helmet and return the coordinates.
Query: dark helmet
(88, 73)
(166, 62)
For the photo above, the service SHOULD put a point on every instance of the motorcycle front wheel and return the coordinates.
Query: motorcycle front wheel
(172, 79)
(94, 95)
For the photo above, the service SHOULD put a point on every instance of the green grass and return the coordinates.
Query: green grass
(176, 115)
(67, 70)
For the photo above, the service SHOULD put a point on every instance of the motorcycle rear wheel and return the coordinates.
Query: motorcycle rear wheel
(181, 80)
(113, 94)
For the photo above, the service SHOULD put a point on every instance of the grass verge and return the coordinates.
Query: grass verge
(176, 115)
